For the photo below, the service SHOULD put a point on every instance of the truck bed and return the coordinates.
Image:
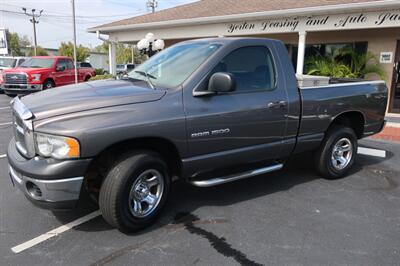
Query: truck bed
(322, 104)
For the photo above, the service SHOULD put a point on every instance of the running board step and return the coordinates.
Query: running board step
(234, 177)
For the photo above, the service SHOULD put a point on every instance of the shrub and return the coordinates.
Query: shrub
(100, 77)
(100, 71)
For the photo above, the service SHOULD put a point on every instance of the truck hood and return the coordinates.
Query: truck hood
(27, 70)
(88, 96)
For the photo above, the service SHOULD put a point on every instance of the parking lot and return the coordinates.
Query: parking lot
(289, 217)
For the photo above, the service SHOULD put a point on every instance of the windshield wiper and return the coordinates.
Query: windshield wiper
(148, 76)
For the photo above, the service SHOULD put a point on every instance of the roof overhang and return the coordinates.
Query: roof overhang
(308, 11)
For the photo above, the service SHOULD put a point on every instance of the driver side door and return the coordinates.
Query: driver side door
(61, 76)
(242, 126)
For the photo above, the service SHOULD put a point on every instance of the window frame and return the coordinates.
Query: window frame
(275, 72)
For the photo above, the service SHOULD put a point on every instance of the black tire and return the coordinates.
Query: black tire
(325, 157)
(87, 78)
(115, 193)
(48, 84)
(10, 94)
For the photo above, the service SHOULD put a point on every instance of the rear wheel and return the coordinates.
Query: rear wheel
(48, 84)
(337, 153)
(134, 191)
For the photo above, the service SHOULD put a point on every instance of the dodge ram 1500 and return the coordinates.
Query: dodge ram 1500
(208, 111)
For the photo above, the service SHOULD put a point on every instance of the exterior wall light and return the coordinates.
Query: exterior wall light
(150, 45)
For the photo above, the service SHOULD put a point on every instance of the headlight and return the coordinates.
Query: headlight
(56, 146)
(35, 77)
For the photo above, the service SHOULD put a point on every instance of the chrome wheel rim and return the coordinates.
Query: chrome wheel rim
(342, 153)
(49, 86)
(146, 193)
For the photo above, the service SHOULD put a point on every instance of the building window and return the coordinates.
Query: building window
(327, 50)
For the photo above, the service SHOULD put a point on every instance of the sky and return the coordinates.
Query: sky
(55, 24)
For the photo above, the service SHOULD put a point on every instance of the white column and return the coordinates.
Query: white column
(112, 58)
(301, 52)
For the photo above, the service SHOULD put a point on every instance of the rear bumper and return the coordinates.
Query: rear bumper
(21, 88)
(374, 128)
(48, 183)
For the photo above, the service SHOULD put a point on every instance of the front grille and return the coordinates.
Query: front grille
(15, 78)
(23, 129)
(19, 133)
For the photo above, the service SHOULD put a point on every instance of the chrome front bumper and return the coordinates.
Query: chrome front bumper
(59, 193)
(22, 87)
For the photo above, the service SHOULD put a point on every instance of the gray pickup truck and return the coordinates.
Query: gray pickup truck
(208, 111)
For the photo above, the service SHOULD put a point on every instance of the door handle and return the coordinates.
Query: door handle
(276, 105)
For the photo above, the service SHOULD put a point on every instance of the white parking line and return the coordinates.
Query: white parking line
(6, 124)
(372, 152)
(3, 156)
(54, 232)
(2, 108)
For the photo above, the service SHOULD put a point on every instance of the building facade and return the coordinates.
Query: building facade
(304, 26)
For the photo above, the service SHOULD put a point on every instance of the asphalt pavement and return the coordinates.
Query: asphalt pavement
(291, 217)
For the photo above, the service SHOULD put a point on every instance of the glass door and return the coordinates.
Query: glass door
(395, 90)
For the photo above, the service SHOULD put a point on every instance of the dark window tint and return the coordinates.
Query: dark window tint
(21, 61)
(62, 63)
(252, 67)
(84, 64)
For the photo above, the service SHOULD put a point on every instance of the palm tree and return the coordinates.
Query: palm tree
(363, 64)
(337, 64)
(325, 66)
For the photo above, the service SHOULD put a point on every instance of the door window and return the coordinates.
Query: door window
(69, 64)
(62, 63)
(252, 67)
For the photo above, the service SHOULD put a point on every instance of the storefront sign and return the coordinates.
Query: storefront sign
(3, 42)
(318, 23)
(386, 57)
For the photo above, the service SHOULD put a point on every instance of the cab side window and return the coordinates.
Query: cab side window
(69, 64)
(62, 63)
(252, 67)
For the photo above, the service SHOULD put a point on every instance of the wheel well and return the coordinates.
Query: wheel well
(167, 150)
(87, 77)
(49, 79)
(354, 120)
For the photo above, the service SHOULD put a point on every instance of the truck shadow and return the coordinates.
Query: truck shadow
(186, 199)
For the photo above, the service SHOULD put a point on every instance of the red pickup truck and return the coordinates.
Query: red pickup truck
(41, 73)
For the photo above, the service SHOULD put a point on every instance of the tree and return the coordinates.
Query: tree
(13, 44)
(102, 48)
(39, 51)
(67, 49)
(123, 53)
(24, 41)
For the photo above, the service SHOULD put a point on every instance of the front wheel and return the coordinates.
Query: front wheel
(48, 84)
(134, 191)
(337, 152)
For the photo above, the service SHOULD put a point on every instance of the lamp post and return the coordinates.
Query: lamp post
(150, 45)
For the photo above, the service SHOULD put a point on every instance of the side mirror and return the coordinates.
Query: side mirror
(219, 83)
(222, 82)
(60, 68)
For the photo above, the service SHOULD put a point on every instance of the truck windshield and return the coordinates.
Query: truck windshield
(174, 65)
(7, 62)
(38, 63)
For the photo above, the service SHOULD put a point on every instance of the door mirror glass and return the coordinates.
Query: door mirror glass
(60, 68)
(221, 82)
